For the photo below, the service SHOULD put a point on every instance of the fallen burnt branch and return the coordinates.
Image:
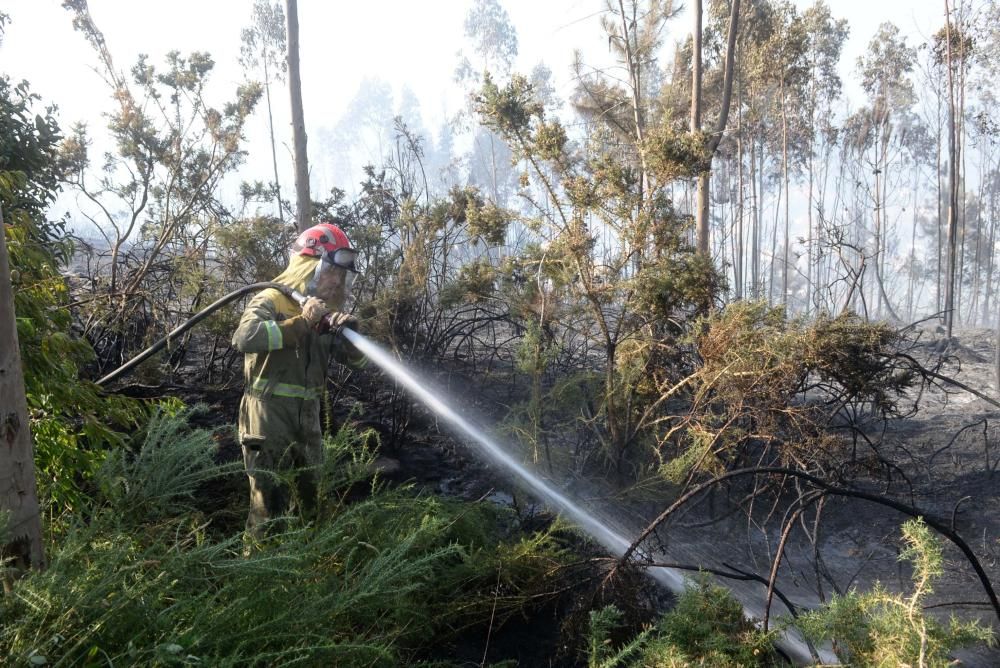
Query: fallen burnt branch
(921, 369)
(958, 604)
(829, 489)
(802, 503)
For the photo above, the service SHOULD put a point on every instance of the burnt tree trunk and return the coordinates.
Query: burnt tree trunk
(20, 522)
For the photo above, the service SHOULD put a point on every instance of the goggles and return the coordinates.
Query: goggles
(345, 258)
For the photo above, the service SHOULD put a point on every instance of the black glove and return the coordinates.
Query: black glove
(335, 321)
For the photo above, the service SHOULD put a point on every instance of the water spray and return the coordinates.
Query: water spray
(610, 539)
(614, 542)
(796, 649)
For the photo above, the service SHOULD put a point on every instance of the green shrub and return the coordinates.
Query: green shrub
(71, 423)
(149, 581)
(601, 651)
(881, 628)
(706, 628)
(765, 381)
(161, 478)
(708, 625)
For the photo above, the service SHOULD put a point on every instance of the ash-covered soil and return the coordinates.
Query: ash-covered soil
(949, 451)
(943, 459)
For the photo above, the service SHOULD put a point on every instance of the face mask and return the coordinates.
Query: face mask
(345, 259)
(342, 258)
(341, 261)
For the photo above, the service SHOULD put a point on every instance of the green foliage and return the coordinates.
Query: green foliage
(697, 454)
(535, 352)
(156, 196)
(250, 250)
(750, 350)
(426, 262)
(475, 282)
(509, 110)
(668, 286)
(857, 356)
(705, 628)
(148, 581)
(550, 140)
(672, 154)
(171, 463)
(601, 652)
(709, 627)
(263, 43)
(29, 158)
(620, 294)
(552, 414)
(71, 422)
(488, 222)
(880, 628)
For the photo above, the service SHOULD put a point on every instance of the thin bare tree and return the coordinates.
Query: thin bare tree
(950, 304)
(264, 46)
(702, 225)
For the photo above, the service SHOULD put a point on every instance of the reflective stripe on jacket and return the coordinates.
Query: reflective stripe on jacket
(284, 357)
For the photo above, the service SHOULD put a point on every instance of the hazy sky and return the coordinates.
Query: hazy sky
(404, 43)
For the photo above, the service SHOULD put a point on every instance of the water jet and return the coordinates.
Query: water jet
(616, 543)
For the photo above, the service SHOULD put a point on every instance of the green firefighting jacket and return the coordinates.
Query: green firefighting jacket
(284, 356)
(285, 365)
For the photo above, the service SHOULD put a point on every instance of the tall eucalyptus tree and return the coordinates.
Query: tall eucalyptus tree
(885, 71)
(303, 203)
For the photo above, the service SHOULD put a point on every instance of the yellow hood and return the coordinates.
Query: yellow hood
(297, 275)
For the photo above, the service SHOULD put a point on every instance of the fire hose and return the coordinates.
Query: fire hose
(201, 315)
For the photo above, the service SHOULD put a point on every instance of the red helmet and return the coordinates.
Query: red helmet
(321, 240)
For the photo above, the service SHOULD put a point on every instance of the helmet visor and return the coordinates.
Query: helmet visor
(344, 258)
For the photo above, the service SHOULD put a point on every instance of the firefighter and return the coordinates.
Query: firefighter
(287, 350)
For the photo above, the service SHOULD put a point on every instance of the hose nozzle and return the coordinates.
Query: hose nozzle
(329, 324)
(328, 321)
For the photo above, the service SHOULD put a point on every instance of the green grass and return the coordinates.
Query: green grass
(149, 579)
